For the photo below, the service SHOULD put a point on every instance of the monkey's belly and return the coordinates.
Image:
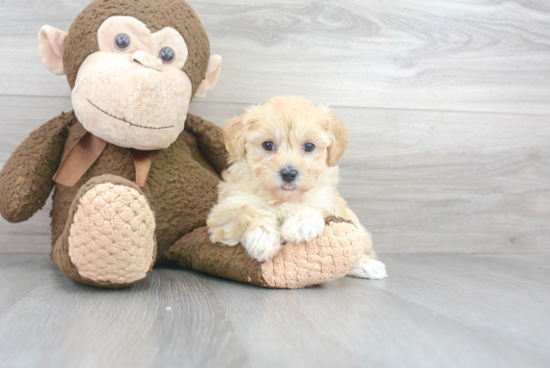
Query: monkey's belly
(181, 191)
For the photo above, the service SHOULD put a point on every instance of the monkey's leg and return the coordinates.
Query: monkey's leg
(328, 257)
(109, 237)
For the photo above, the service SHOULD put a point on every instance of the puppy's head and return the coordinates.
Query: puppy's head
(288, 142)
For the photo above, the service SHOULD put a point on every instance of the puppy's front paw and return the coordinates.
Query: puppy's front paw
(220, 235)
(302, 226)
(369, 269)
(262, 242)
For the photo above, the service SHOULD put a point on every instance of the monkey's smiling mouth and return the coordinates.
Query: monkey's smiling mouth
(127, 122)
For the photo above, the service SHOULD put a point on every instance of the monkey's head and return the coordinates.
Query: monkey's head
(133, 67)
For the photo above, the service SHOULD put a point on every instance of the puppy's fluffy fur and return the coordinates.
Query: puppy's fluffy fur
(278, 188)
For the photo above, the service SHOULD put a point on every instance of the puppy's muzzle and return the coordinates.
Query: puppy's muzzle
(288, 174)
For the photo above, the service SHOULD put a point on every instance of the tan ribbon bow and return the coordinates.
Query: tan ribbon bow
(87, 151)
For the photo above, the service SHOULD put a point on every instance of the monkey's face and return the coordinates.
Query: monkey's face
(133, 79)
(133, 92)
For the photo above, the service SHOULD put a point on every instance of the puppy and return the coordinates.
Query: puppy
(282, 183)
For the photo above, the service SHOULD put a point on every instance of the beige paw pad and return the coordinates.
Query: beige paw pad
(327, 257)
(112, 235)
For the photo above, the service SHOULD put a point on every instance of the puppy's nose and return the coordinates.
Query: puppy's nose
(288, 174)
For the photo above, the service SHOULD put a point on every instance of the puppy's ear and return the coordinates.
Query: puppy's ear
(235, 137)
(339, 139)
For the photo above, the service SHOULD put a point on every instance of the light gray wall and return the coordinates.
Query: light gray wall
(448, 104)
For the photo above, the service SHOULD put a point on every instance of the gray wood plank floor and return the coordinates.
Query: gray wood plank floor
(448, 108)
(433, 311)
(419, 181)
(447, 104)
(444, 55)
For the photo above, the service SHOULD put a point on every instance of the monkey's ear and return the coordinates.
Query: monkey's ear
(339, 139)
(235, 137)
(211, 78)
(51, 44)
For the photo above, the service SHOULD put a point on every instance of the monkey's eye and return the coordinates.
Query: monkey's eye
(308, 147)
(167, 55)
(268, 146)
(122, 41)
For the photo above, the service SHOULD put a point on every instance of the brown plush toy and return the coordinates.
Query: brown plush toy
(135, 175)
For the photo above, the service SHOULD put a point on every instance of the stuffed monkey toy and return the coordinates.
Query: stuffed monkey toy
(134, 174)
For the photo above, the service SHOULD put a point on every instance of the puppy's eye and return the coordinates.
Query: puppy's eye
(122, 41)
(308, 147)
(268, 146)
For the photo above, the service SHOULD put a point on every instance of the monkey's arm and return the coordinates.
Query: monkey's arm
(209, 140)
(26, 178)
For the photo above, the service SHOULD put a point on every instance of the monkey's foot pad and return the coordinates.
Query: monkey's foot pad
(325, 258)
(112, 235)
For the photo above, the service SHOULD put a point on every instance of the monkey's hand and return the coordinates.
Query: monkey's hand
(26, 179)
(210, 141)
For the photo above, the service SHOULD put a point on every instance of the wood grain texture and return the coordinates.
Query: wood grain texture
(448, 108)
(425, 181)
(461, 55)
(433, 311)
(422, 179)
(419, 181)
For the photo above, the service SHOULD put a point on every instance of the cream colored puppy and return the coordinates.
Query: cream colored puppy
(282, 183)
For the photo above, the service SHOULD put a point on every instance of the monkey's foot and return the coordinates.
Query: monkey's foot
(328, 257)
(110, 236)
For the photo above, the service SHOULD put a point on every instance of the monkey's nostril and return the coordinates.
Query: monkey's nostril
(288, 174)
